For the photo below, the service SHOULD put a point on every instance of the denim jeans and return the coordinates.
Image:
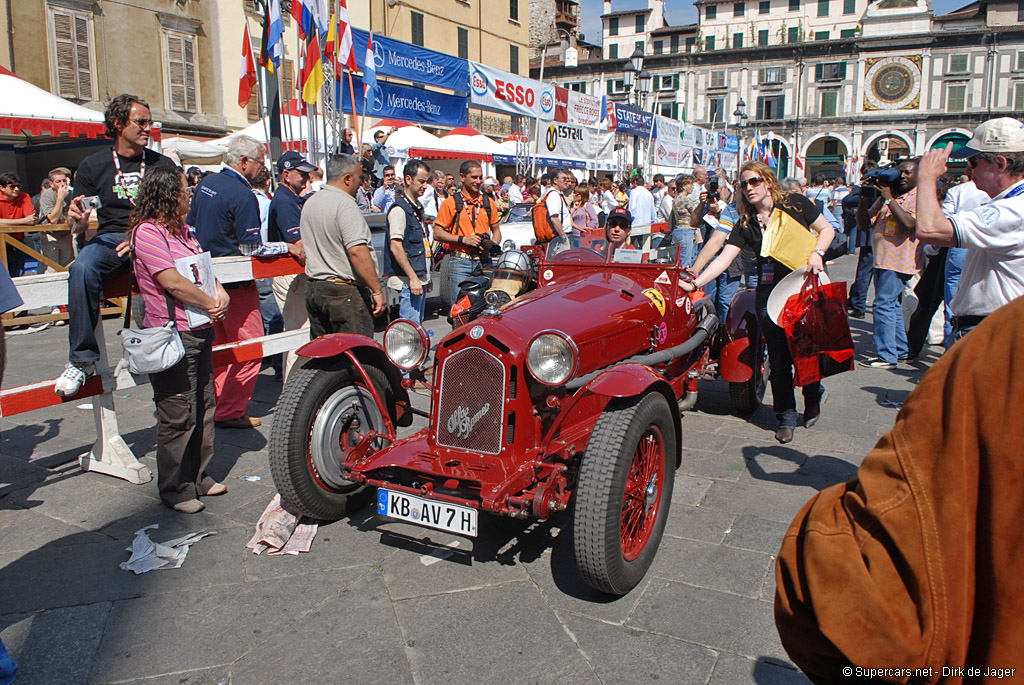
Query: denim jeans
(272, 319)
(575, 240)
(890, 331)
(954, 265)
(859, 289)
(684, 236)
(458, 271)
(411, 306)
(721, 291)
(95, 264)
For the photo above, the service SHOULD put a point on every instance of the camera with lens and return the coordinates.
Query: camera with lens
(712, 190)
(882, 177)
(488, 246)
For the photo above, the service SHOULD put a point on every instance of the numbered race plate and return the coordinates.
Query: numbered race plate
(453, 518)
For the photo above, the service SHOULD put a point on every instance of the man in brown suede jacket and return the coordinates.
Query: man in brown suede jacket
(919, 562)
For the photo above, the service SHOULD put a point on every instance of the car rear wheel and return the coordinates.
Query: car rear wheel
(323, 412)
(747, 396)
(624, 491)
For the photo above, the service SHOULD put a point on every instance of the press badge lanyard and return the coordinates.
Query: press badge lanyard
(1015, 192)
(122, 184)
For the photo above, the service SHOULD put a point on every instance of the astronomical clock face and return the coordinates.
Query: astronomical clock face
(893, 83)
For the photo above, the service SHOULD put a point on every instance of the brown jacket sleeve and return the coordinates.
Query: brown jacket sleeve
(919, 562)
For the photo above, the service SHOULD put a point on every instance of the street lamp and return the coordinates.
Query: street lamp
(644, 83)
(637, 59)
(741, 124)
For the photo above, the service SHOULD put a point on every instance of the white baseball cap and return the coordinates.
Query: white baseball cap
(1005, 134)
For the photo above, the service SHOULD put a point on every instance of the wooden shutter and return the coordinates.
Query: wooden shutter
(181, 72)
(74, 72)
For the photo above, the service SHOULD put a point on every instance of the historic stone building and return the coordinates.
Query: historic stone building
(835, 82)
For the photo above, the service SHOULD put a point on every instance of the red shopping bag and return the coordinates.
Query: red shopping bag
(818, 331)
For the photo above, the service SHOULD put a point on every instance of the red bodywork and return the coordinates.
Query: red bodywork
(497, 438)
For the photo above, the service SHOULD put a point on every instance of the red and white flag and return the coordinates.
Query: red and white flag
(247, 71)
(346, 55)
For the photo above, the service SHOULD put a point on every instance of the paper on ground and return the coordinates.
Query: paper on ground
(282, 531)
(148, 555)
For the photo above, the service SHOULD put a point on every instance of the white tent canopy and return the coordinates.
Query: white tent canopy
(22, 99)
(185, 151)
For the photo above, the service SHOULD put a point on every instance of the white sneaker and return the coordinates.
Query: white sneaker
(70, 382)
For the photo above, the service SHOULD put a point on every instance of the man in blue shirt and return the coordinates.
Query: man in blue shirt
(283, 225)
(384, 196)
(379, 151)
(225, 217)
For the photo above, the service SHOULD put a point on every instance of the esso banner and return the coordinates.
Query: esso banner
(574, 142)
(502, 91)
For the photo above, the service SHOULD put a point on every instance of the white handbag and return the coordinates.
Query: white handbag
(150, 350)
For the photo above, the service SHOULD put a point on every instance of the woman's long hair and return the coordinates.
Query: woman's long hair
(746, 210)
(159, 199)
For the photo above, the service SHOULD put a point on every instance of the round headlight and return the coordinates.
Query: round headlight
(552, 358)
(405, 344)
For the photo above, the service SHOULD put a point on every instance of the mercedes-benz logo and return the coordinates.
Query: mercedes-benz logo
(376, 99)
(378, 55)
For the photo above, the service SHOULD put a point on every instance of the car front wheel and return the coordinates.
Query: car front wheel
(624, 491)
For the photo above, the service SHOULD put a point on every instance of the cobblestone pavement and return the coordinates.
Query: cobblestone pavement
(379, 601)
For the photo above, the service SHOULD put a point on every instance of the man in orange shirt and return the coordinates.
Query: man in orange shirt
(15, 210)
(477, 218)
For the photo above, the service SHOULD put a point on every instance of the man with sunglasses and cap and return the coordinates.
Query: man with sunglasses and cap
(283, 225)
(993, 232)
(112, 175)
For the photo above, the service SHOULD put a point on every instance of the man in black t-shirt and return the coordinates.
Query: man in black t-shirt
(112, 175)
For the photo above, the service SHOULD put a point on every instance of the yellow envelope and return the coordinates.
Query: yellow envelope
(788, 241)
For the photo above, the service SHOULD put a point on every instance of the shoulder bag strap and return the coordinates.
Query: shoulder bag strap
(171, 313)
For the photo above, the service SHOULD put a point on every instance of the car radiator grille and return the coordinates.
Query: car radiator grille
(471, 403)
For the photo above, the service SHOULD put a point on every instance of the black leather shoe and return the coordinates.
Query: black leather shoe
(811, 415)
(784, 434)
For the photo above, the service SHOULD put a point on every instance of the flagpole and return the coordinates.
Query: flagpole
(355, 117)
(362, 120)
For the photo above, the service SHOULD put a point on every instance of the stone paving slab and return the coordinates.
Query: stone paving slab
(385, 601)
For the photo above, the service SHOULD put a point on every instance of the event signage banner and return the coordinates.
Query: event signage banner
(412, 63)
(501, 91)
(391, 101)
(727, 143)
(669, 146)
(574, 142)
(573, 107)
(633, 121)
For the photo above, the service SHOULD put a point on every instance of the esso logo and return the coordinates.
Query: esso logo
(517, 95)
(478, 82)
(547, 100)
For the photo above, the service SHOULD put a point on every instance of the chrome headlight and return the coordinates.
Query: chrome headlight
(406, 344)
(552, 357)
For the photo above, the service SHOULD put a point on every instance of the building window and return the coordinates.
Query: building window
(765, 7)
(822, 8)
(830, 147)
(1020, 11)
(771, 76)
(1020, 60)
(639, 45)
(668, 83)
(72, 38)
(182, 84)
(762, 37)
(829, 103)
(513, 10)
(717, 79)
(794, 34)
(956, 97)
(513, 58)
(830, 71)
(613, 51)
(794, 5)
(659, 47)
(738, 9)
(821, 35)
(849, 6)
(670, 110)
(1018, 96)
(674, 44)
(716, 109)
(692, 40)
(711, 12)
(639, 23)
(463, 42)
(957, 64)
(847, 33)
(737, 40)
(613, 26)
(416, 18)
(709, 42)
(770, 107)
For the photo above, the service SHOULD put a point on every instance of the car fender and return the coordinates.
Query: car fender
(358, 350)
(631, 380)
(740, 339)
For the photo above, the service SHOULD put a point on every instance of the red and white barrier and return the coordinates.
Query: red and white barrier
(110, 454)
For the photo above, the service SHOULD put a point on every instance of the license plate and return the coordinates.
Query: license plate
(453, 518)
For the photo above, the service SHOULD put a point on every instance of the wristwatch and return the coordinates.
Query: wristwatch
(820, 253)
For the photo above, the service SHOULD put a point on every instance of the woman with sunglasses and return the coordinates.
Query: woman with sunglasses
(759, 198)
(183, 394)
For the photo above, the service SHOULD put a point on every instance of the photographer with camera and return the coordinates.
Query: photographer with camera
(466, 218)
(860, 237)
(898, 255)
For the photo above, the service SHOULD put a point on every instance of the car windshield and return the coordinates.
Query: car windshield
(517, 213)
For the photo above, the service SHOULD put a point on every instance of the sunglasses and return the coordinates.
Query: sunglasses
(143, 123)
(16, 186)
(976, 159)
(752, 182)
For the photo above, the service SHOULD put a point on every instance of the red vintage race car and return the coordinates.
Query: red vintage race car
(571, 394)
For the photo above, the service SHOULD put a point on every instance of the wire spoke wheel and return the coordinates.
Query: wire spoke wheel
(643, 485)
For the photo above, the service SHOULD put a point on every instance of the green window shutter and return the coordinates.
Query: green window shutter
(762, 37)
(842, 70)
(613, 51)
(849, 6)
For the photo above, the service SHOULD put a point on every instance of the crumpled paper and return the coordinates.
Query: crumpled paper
(282, 531)
(148, 555)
